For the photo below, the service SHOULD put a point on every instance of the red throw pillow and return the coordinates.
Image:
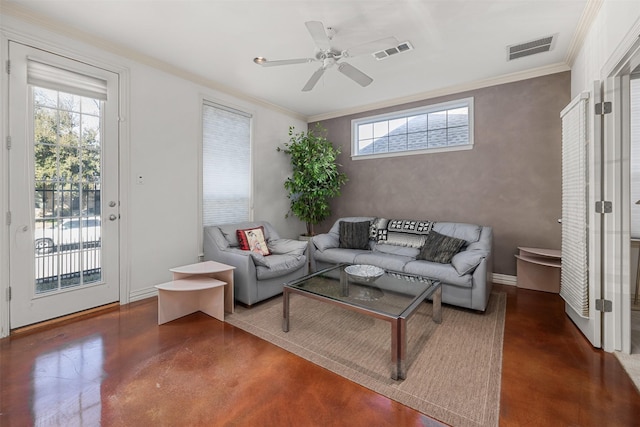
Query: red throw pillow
(252, 239)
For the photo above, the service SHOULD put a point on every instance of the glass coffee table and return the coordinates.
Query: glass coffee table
(392, 296)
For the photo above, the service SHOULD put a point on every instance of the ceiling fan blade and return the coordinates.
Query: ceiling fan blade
(354, 74)
(371, 47)
(313, 80)
(287, 62)
(318, 34)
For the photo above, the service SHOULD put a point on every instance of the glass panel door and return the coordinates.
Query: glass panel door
(63, 186)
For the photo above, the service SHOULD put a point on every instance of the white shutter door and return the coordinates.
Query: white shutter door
(574, 287)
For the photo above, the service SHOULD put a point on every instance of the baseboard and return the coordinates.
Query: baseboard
(504, 279)
(143, 294)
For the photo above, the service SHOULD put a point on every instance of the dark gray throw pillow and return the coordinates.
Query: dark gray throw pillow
(354, 235)
(440, 248)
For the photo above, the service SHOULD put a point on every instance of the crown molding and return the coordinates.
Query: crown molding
(41, 21)
(591, 10)
(450, 90)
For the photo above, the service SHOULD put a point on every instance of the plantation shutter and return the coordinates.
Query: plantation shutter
(226, 165)
(574, 282)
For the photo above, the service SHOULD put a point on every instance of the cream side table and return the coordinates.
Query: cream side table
(205, 286)
(539, 269)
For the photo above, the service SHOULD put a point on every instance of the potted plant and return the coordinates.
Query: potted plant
(315, 177)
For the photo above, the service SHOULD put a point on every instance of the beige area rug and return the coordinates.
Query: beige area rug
(631, 362)
(453, 369)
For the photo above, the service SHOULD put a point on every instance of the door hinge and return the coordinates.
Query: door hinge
(8, 142)
(9, 218)
(603, 207)
(8, 66)
(604, 305)
(9, 293)
(603, 108)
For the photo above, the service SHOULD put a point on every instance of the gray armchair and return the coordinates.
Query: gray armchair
(256, 277)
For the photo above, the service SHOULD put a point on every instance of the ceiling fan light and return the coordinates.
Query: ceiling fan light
(259, 60)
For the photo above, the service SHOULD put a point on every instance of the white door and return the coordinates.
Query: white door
(582, 226)
(63, 186)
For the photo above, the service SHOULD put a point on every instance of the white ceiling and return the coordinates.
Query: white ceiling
(455, 42)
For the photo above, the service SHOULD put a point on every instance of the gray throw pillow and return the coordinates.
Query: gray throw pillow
(354, 235)
(440, 248)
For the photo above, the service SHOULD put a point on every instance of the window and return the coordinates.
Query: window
(68, 113)
(442, 127)
(226, 165)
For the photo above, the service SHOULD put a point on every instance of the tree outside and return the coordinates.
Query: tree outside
(67, 154)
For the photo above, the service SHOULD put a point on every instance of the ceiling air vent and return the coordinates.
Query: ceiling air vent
(402, 47)
(544, 44)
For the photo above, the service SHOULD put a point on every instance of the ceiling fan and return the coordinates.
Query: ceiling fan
(330, 57)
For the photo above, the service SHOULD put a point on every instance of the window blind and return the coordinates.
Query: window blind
(226, 165)
(51, 77)
(574, 277)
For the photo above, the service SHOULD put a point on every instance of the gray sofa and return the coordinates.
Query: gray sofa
(466, 280)
(256, 277)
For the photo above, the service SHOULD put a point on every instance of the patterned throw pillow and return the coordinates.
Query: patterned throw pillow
(440, 248)
(252, 239)
(410, 226)
(403, 232)
(354, 235)
(378, 226)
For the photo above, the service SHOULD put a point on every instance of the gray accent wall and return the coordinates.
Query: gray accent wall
(510, 180)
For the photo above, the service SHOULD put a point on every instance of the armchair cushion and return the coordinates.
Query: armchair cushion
(287, 246)
(277, 265)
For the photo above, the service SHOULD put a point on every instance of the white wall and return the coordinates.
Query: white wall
(164, 134)
(611, 25)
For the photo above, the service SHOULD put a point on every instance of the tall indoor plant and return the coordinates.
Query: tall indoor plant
(315, 176)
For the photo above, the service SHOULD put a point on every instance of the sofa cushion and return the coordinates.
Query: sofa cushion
(407, 251)
(468, 232)
(354, 235)
(252, 239)
(435, 270)
(440, 248)
(278, 265)
(337, 255)
(287, 246)
(386, 261)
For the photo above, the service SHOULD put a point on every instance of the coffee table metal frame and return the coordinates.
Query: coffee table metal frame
(398, 322)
